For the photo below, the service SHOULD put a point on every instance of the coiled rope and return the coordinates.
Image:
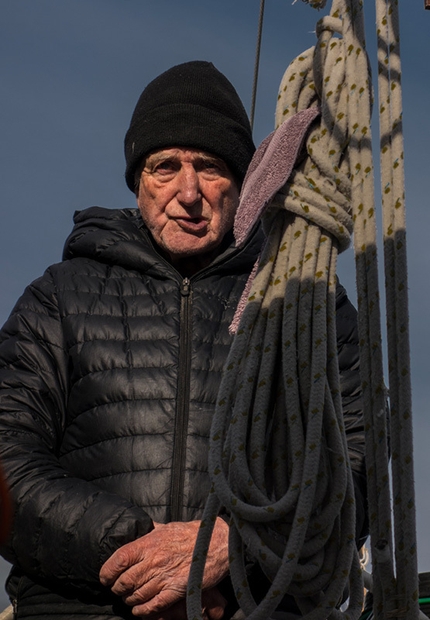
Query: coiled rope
(278, 457)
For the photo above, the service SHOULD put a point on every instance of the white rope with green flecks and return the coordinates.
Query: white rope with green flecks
(402, 599)
(278, 457)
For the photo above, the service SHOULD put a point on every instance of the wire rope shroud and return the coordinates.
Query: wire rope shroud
(278, 458)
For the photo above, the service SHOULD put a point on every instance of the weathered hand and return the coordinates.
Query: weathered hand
(151, 573)
(213, 605)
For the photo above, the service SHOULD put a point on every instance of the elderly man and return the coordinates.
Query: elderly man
(110, 365)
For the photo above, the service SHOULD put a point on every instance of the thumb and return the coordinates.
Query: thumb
(213, 603)
(120, 561)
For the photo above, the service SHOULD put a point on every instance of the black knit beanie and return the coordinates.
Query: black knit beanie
(190, 105)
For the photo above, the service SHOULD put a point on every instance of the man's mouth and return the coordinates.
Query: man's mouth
(192, 224)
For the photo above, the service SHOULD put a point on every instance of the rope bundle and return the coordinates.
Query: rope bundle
(278, 457)
(395, 578)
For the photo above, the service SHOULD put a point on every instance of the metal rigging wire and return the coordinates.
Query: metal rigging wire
(257, 62)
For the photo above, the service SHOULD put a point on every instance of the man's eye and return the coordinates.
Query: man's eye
(165, 166)
(211, 166)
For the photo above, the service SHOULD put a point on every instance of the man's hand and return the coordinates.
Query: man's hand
(151, 573)
(213, 605)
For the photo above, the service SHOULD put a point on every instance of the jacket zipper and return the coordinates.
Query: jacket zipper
(182, 403)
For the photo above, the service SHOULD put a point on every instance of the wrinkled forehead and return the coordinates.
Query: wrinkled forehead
(182, 153)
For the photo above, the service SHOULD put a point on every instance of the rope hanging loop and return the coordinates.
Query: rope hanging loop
(278, 456)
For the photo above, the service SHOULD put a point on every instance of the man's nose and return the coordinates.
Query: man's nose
(189, 191)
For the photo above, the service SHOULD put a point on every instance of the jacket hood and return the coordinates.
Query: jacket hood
(120, 237)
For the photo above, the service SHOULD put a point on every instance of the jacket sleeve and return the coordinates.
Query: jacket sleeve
(352, 403)
(63, 528)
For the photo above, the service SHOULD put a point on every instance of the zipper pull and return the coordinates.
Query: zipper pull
(186, 287)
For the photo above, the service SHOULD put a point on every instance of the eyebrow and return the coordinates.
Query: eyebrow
(156, 158)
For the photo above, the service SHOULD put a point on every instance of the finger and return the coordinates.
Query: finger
(141, 594)
(215, 613)
(158, 603)
(173, 613)
(214, 603)
(137, 578)
(122, 559)
(166, 614)
(178, 611)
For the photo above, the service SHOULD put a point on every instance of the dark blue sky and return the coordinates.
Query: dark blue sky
(71, 72)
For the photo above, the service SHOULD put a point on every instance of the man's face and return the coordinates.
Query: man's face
(188, 199)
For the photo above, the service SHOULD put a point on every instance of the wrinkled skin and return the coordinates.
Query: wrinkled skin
(213, 605)
(151, 573)
(188, 199)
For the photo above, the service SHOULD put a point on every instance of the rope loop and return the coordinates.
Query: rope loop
(278, 457)
(328, 23)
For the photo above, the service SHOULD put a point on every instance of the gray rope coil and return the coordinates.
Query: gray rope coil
(278, 457)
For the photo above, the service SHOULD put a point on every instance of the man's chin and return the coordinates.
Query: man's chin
(189, 246)
(181, 255)
(190, 260)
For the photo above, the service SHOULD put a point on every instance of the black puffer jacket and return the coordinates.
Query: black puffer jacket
(109, 369)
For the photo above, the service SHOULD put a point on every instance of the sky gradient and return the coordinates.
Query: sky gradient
(71, 73)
